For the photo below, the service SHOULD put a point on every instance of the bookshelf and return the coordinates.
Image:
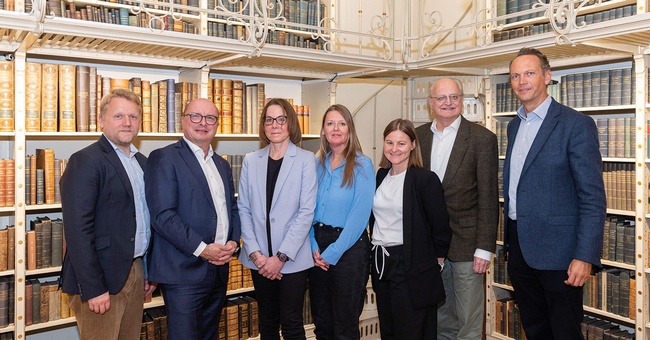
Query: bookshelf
(361, 56)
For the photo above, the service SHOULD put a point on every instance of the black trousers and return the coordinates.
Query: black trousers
(398, 319)
(280, 304)
(337, 295)
(549, 308)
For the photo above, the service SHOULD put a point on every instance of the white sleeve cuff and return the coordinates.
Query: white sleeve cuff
(483, 254)
(200, 249)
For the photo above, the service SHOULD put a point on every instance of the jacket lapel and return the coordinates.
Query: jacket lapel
(457, 152)
(285, 169)
(195, 168)
(425, 146)
(544, 132)
(114, 159)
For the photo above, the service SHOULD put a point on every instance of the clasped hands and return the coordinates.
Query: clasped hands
(218, 254)
(319, 262)
(269, 266)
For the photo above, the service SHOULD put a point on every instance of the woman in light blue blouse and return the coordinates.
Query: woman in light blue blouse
(339, 240)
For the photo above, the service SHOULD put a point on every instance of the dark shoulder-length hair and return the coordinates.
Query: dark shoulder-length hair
(292, 121)
(350, 151)
(406, 126)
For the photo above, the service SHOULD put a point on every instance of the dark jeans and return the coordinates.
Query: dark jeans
(337, 295)
(280, 303)
(549, 308)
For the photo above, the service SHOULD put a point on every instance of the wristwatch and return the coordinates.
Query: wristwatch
(282, 256)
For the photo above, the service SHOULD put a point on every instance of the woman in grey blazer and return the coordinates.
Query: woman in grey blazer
(277, 195)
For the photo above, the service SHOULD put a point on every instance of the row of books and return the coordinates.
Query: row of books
(117, 16)
(508, 319)
(612, 290)
(588, 89)
(42, 175)
(611, 14)
(277, 37)
(45, 302)
(597, 329)
(618, 240)
(615, 136)
(66, 98)
(45, 243)
(619, 185)
(238, 276)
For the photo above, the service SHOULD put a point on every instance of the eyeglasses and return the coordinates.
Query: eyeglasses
(281, 120)
(453, 97)
(197, 118)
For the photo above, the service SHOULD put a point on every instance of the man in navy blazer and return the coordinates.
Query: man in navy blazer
(106, 225)
(554, 203)
(196, 225)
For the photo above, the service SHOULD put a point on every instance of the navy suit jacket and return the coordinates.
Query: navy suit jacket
(99, 221)
(561, 202)
(426, 234)
(183, 214)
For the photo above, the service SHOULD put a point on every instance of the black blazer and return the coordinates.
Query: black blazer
(99, 221)
(426, 234)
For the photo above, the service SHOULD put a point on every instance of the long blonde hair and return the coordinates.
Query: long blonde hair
(350, 151)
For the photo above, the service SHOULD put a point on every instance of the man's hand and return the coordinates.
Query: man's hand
(219, 254)
(480, 265)
(578, 273)
(100, 304)
(149, 287)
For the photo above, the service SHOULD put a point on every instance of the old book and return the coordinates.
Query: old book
(33, 75)
(28, 176)
(221, 332)
(54, 295)
(624, 293)
(93, 94)
(57, 242)
(4, 301)
(216, 97)
(232, 320)
(3, 183)
(616, 87)
(37, 227)
(28, 302)
(237, 106)
(32, 180)
(82, 99)
(253, 318)
(10, 181)
(36, 300)
(626, 87)
(67, 98)
(45, 161)
(171, 106)
(244, 317)
(47, 241)
(57, 178)
(306, 119)
(65, 306)
(11, 247)
(632, 297)
(117, 83)
(147, 321)
(44, 307)
(226, 106)
(31, 249)
(146, 106)
(154, 107)
(162, 106)
(3, 249)
(178, 111)
(50, 98)
(6, 96)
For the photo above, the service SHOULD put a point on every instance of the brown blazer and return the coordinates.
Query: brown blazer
(471, 188)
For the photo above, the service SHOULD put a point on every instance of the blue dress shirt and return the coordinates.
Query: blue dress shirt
(345, 207)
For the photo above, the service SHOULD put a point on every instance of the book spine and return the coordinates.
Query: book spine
(50, 93)
(6, 96)
(33, 75)
(171, 106)
(146, 106)
(94, 90)
(82, 99)
(67, 95)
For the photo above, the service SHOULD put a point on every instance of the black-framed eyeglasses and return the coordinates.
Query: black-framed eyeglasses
(281, 120)
(197, 118)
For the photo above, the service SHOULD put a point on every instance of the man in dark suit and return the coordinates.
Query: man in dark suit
(554, 203)
(464, 155)
(106, 225)
(196, 225)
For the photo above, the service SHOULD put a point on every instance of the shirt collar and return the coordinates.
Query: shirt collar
(132, 149)
(454, 125)
(195, 148)
(539, 111)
